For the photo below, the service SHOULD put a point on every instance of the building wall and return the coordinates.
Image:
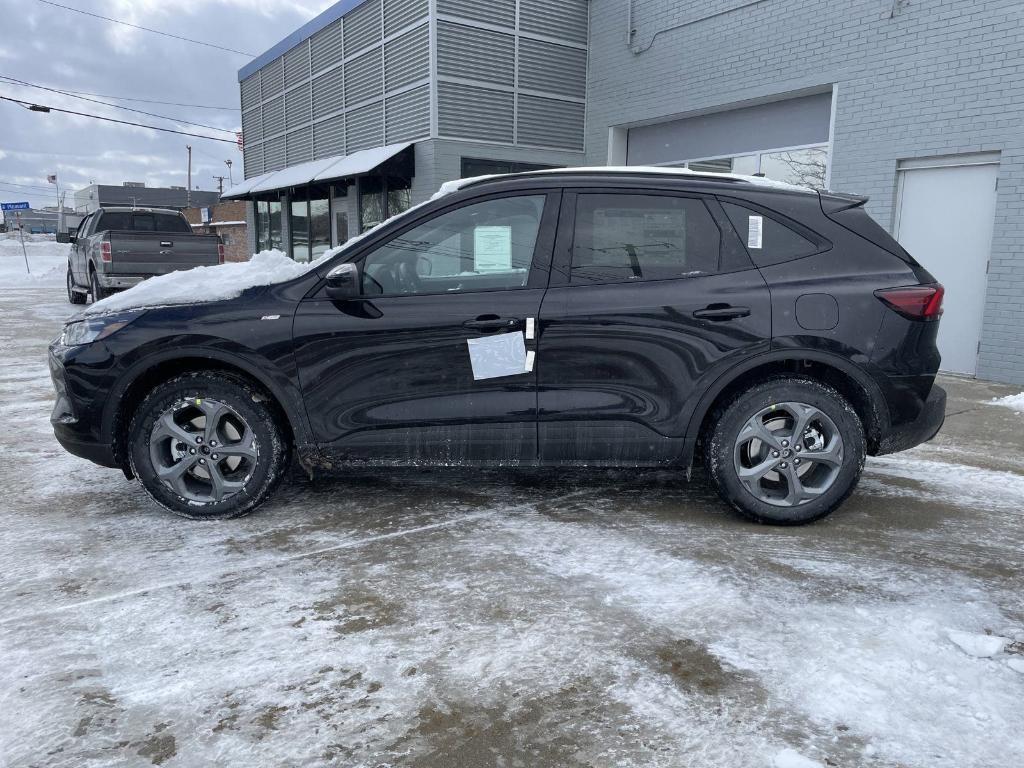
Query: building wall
(508, 72)
(96, 195)
(912, 80)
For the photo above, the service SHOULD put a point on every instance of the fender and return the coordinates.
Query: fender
(286, 395)
(711, 393)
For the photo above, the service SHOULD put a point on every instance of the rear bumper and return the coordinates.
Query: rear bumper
(922, 429)
(119, 281)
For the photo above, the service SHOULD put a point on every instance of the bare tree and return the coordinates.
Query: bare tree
(807, 166)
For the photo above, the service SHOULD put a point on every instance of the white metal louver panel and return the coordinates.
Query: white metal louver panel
(273, 154)
(364, 78)
(297, 106)
(328, 93)
(250, 89)
(501, 12)
(325, 47)
(296, 64)
(329, 137)
(408, 115)
(273, 116)
(553, 68)
(565, 19)
(299, 146)
(252, 125)
(550, 123)
(362, 26)
(407, 58)
(467, 112)
(475, 53)
(399, 14)
(252, 158)
(272, 78)
(364, 127)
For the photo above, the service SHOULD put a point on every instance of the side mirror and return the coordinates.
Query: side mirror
(64, 237)
(343, 282)
(72, 238)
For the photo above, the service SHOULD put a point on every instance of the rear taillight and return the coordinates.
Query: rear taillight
(918, 302)
(220, 253)
(105, 252)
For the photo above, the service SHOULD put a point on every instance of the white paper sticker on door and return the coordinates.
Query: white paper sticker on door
(503, 354)
(754, 226)
(492, 248)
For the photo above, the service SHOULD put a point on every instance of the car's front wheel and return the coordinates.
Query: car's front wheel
(207, 446)
(787, 451)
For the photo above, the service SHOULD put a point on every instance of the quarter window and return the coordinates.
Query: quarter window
(768, 241)
(642, 237)
(479, 247)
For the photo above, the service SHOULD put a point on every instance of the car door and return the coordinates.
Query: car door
(388, 377)
(652, 296)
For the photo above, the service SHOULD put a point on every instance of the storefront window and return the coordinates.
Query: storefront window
(299, 224)
(319, 226)
(476, 166)
(399, 195)
(372, 203)
(274, 230)
(806, 166)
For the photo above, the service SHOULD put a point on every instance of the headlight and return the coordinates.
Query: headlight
(90, 329)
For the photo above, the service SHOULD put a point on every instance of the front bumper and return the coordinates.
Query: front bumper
(920, 430)
(71, 430)
(118, 281)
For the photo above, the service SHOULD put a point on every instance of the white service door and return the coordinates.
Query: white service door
(945, 218)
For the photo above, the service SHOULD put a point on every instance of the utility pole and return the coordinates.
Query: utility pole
(21, 232)
(188, 187)
(231, 181)
(220, 184)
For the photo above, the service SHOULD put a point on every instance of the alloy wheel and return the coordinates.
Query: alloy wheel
(203, 450)
(788, 454)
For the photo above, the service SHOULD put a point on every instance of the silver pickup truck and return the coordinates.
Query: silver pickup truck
(116, 248)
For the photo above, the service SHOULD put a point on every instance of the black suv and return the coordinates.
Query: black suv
(587, 317)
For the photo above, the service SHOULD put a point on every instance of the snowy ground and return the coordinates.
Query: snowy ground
(614, 619)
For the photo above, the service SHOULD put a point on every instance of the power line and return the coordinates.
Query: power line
(15, 81)
(27, 186)
(44, 108)
(146, 29)
(152, 101)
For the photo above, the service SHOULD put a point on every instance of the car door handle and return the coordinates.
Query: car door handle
(718, 312)
(492, 323)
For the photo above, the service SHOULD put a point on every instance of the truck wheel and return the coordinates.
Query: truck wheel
(75, 297)
(98, 291)
(787, 451)
(207, 446)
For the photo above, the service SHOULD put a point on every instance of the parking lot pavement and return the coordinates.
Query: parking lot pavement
(507, 619)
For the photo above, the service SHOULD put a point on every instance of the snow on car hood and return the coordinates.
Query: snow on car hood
(204, 284)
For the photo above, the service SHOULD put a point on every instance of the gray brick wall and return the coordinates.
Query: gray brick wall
(938, 77)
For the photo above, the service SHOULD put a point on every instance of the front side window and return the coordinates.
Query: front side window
(642, 237)
(483, 246)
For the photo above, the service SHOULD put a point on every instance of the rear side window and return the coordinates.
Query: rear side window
(768, 241)
(642, 237)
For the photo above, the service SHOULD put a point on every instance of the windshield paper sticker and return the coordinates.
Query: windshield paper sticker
(754, 231)
(503, 354)
(492, 248)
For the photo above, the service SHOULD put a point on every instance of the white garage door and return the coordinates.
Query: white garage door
(944, 218)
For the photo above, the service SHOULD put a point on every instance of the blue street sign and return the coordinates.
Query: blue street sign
(14, 206)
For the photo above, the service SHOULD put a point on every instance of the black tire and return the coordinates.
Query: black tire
(244, 400)
(725, 445)
(98, 291)
(75, 297)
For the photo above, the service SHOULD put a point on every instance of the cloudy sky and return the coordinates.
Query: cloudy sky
(57, 48)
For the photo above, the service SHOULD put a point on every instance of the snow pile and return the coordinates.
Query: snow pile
(204, 284)
(790, 758)
(1011, 401)
(46, 257)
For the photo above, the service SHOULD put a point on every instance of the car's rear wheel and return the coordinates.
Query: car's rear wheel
(787, 451)
(75, 297)
(98, 291)
(207, 446)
